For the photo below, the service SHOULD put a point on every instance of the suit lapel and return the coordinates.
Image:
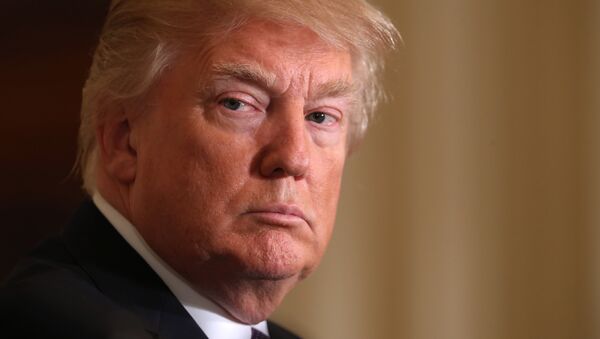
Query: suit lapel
(124, 277)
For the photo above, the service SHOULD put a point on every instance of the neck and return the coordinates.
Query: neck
(250, 301)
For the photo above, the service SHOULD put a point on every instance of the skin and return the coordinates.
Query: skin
(232, 173)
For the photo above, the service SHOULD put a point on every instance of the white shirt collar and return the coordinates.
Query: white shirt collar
(211, 318)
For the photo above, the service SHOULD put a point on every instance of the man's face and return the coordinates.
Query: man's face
(240, 157)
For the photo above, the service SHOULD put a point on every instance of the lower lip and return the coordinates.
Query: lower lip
(277, 219)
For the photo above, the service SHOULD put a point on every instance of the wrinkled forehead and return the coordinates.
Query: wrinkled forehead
(279, 56)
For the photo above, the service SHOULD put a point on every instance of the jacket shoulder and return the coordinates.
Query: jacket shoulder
(49, 296)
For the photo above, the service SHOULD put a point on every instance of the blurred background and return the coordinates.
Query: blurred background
(471, 210)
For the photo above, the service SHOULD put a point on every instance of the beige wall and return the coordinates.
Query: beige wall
(591, 173)
(471, 209)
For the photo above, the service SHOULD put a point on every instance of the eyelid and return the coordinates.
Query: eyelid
(337, 114)
(234, 85)
(246, 99)
(336, 118)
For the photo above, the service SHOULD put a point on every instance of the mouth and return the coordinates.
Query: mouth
(283, 215)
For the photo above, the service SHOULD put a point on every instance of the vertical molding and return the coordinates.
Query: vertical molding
(591, 161)
(437, 186)
(492, 181)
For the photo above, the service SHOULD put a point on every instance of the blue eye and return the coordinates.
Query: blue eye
(232, 104)
(318, 117)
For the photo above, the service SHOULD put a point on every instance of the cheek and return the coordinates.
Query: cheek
(326, 185)
(189, 195)
(191, 176)
(218, 166)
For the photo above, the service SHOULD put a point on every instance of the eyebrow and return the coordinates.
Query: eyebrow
(333, 89)
(246, 73)
(255, 74)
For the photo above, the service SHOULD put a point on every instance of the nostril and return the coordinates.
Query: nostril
(278, 172)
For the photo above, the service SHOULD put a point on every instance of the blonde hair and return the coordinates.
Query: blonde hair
(140, 39)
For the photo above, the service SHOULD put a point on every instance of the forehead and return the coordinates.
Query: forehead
(284, 53)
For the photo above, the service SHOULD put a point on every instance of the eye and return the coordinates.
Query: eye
(232, 104)
(321, 118)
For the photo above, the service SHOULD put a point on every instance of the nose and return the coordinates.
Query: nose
(286, 152)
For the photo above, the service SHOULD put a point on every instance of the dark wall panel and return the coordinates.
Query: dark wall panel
(46, 49)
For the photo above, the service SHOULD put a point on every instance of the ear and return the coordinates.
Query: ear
(117, 150)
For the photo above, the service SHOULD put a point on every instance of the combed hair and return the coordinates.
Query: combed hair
(141, 38)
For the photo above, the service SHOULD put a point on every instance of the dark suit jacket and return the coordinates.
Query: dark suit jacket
(89, 283)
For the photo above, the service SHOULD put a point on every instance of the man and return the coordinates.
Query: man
(213, 140)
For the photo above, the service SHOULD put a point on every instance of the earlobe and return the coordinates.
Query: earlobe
(118, 154)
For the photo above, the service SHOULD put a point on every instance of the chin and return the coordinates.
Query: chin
(276, 256)
(274, 266)
(272, 273)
